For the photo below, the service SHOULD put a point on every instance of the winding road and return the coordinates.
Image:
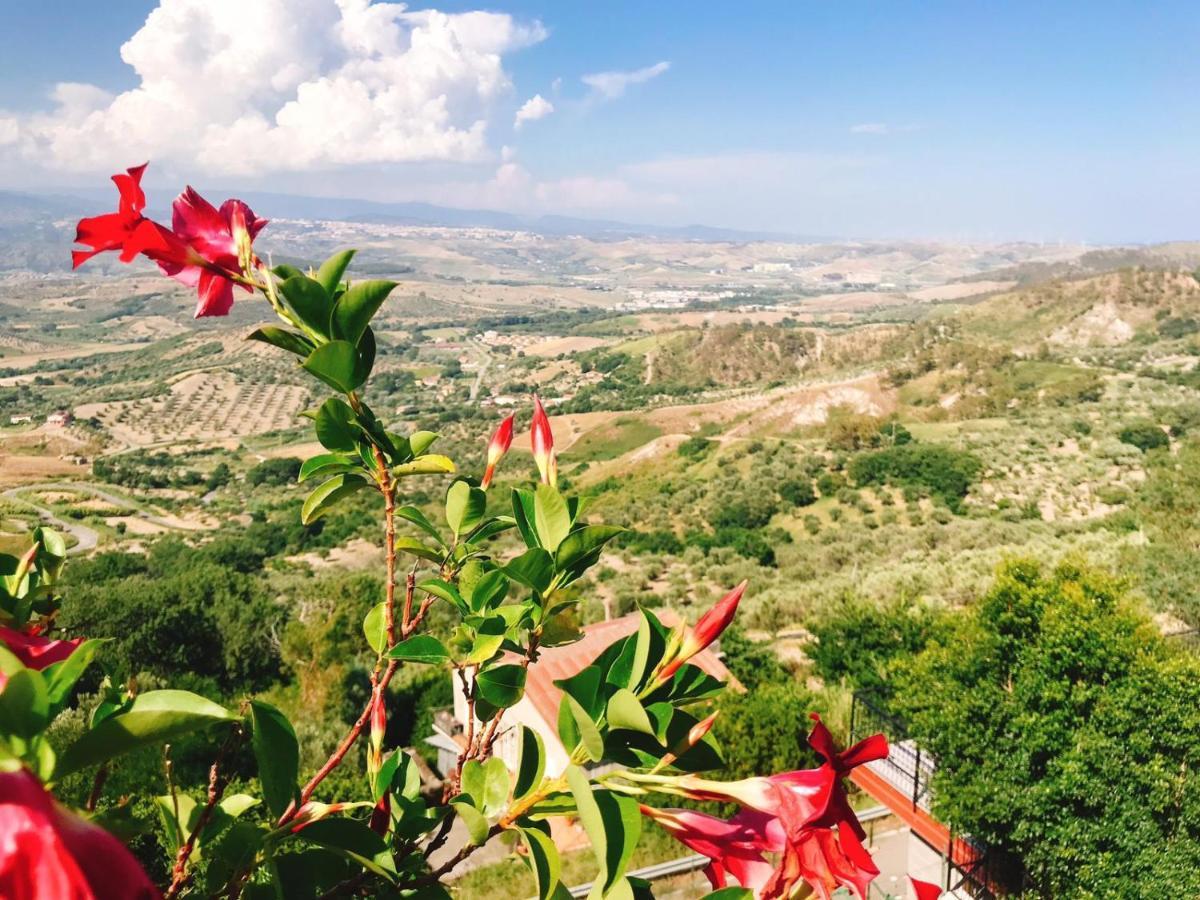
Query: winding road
(86, 539)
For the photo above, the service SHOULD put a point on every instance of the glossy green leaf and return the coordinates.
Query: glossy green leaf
(550, 515)
(473, 782)
(582, 542)
(489, 635)
(523, 516)
(291, 341)
(356, 307)
(613, 825)
(489, 591)
(496, 785)
(24, 704)
(421, 648)
(420, 441)
(531, 767)
(544, 861)
(534, 568)
(414, 547)
(308, 302)
(465, 506)
(323, 498)
(353, 840)
(336, 364)
(375, 627)
(445, 590)
(626, 711)
(336, 427)
(430, 464)
(473, 819)
(589, 734)
(152, 718)
(501, 686)
(418, 518)
(329, 276)
(327, 464)
(61, 677)
(278, 754)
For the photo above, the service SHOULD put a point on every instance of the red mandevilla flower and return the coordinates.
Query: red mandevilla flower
(731, 848)
(804, 816)
(204, 248)
(501, 440)
(34, 651)
(542, 440)
(924, 890)
(47, 853)
(707, 630)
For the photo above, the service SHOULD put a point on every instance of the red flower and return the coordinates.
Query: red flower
(34, 651)
(731, 848)
(48, 853)
(542, 440)
(218, 240)
(802, 815)
(501, 440)
(924, 890)
(205, 250)
(707, 630)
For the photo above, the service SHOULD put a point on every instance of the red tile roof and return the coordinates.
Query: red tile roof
(555, 663)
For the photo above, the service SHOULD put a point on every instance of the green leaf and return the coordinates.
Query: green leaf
(473, 819)
(589, 734)
(488, 591)
(613, 825)
(420, 441)
(329, 276)
(416, 548)
(325, 464)
(501, 686)
(336, 364)
(355, 308)
(581, 542)
(61, 677)
(473, 781)
(336, 426)
(531, 766)
(284, 271)
(495, 786)
(446, 591)
(308, 302)
(584, 686)
(153, 717)
(322, 500)
(421, 648)
(626, 711)
(534, 568)
(353, 840)
(430, 464)
(418, 518)
(465, 506)
(489, 635)
(523, 516)
(551, 518)
(24, 704)
(291, 341)
(278, 754)
(730, 893)
(375, 627)
(543, 858)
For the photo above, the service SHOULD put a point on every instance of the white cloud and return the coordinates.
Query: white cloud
(611, 85)
(870, 128)
(536, 107)
(232, 87)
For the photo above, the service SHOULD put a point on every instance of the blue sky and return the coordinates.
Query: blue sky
(876, 120)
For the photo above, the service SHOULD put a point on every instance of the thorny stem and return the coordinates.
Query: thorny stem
(216, 788)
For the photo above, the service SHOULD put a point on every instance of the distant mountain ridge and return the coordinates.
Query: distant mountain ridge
(348, 209)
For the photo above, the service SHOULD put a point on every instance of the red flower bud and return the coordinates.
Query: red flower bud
(542, 440)
(707, 630)
(501, 440)
(378, 720)
(700, 729)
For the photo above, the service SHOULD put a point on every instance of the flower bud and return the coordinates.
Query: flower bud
(707, 630)
(378, 729)
(700, 729)
(542, 440)
(502, 439)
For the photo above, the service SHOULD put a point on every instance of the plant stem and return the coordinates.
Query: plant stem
(216, 788)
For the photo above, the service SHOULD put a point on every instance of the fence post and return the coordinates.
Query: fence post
(916, 792)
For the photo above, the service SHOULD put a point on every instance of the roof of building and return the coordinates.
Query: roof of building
(556, 663)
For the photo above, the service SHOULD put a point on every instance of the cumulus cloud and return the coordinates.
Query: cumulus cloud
(243, 87)
(611, 85)
(536, 107)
